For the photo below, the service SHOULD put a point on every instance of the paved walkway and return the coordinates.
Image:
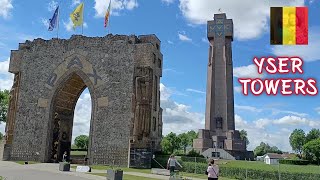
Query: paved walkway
(49, 171)
(14, 171)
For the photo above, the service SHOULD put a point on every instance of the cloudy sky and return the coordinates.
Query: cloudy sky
(180, 25)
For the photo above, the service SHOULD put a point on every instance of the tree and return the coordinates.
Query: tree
(312, 135)
(297, 140)
(265, 148)
(244, 137)
(170, 143)
(312, 149)
(1, 136)
(192, 135)
(184, 141)
(82, 141)
(4, 104)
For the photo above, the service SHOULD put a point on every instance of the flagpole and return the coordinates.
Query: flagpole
(82, 18)
(58, 22)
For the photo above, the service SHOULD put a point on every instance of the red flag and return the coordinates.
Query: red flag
(106, 19)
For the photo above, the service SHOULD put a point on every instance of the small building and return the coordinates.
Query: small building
(272, 158)
(260, 158)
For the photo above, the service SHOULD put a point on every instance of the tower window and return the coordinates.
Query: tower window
(219, 122)
(154, 124)
(159, 63)
(154, 58)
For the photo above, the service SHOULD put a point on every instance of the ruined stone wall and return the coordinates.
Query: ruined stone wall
(106, 66)
(149, 56)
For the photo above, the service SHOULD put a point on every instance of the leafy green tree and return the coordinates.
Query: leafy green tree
(1, 136)
(4, 104)
(312, 135)
(192, 135)
(170, 143)
(184, 141)
(297, 140)
(312, 150)
(82, 141)
(265, 148)
(244, 137)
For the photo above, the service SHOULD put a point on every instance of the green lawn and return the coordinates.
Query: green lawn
(126, 177)
(148, 171)
(262, 166)
(77, 153)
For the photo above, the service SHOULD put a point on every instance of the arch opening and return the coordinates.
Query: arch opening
(66, 118)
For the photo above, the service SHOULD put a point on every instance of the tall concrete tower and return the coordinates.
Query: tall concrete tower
(219, 132)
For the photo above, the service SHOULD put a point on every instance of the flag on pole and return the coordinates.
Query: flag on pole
(77, 16)
(53, 22)
(106, 19)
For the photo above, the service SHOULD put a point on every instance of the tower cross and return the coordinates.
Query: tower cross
(220, 27)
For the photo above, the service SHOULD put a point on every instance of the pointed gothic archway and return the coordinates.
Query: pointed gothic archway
(63, 104)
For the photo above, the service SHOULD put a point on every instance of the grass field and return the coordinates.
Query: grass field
(265, 167)
(147, 171)
(126, 177)
(77, 153)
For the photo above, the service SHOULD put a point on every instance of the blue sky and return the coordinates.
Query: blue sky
(180, 25)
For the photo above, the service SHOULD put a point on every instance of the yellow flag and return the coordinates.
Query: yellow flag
(77, 16)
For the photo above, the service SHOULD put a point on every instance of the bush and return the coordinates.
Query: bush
(294, 162)
(240, 173)
(194, 153)
(194, 159)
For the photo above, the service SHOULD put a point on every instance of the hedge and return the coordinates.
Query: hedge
(240, 173)
(294, 161)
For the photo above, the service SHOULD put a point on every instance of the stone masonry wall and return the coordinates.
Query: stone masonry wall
(106, 65)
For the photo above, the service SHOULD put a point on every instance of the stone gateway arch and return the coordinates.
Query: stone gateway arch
(122, 74)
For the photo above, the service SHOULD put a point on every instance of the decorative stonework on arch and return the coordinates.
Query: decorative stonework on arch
(123, 82)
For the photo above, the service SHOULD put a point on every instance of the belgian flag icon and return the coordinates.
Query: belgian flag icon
(289, 26)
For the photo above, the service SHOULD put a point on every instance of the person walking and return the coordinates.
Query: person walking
(212, 171)
(64, 157)
(171, 165)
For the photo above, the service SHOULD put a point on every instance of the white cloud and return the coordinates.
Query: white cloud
(242, 13)
(4, 66)
(170, 42)
(168, 1)
(69, 25)
(52, 5)
(177, 117)
(250, 71)
(317, 109)
(45, 22)
(101, 6)
(184, 37)
(6, 7)
(308, 52)
(6, 78)
(82, 116)
(257, 133)
(75, 2)
(247, 108)
(295, 121)
(277, 111)
(195, 91)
